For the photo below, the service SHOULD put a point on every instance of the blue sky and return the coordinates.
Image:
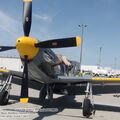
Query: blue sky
(60, 18)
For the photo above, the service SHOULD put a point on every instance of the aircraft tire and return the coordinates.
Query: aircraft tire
(4, 98)
(87, 107)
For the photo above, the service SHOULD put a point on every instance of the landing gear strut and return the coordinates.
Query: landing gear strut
(5, 91)
(46, 90)
(88, 105)
(43, 92)
(50, 92)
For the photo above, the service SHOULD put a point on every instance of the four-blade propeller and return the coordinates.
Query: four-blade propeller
(55, 43)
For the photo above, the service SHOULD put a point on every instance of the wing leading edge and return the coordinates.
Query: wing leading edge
(69, 79)
(75, 80)
(11, 72)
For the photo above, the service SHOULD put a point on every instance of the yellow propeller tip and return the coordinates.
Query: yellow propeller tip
(24, 100)
(78, 41)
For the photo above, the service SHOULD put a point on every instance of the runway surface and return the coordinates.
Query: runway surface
(62, 107)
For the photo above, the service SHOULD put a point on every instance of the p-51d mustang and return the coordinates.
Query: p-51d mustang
(42, 64)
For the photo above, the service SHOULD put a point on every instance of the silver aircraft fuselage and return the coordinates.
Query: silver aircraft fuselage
(44, 66)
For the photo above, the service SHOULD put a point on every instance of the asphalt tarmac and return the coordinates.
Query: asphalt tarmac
(63, 107)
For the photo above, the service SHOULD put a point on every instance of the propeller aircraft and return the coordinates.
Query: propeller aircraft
(42, 64)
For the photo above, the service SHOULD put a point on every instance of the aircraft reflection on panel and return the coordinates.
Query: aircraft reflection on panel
(43, 65)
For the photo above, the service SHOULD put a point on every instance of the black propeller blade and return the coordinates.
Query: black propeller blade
(59, 43)
(4, 48)
(24, 87)
(27, 16)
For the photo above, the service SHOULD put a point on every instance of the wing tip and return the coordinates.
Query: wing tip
(4, 70)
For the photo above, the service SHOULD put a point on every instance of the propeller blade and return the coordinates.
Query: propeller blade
(5, 48)
(27, 16)
(60, 43)
(24, 87)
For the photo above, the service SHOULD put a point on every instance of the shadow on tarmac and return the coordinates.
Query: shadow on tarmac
(61, 103)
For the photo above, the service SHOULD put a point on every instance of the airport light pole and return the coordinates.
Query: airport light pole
(99, 64)
(115, 61)
(82, 26)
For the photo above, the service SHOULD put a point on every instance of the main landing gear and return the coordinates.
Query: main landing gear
(88, 103)
(46, 90)
(5, 91)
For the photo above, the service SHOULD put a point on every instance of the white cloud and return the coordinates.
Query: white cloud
(8, 24)
(44, 17)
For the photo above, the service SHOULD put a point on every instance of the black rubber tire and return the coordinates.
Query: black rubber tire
(4, 97)
(43, 93)
(87, 107)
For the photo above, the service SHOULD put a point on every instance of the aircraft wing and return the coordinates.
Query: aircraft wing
(69, 79)
(105, 80)
(11, 72)
(94, 80)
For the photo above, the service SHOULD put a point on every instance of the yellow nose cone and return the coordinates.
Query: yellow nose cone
(26, 46)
